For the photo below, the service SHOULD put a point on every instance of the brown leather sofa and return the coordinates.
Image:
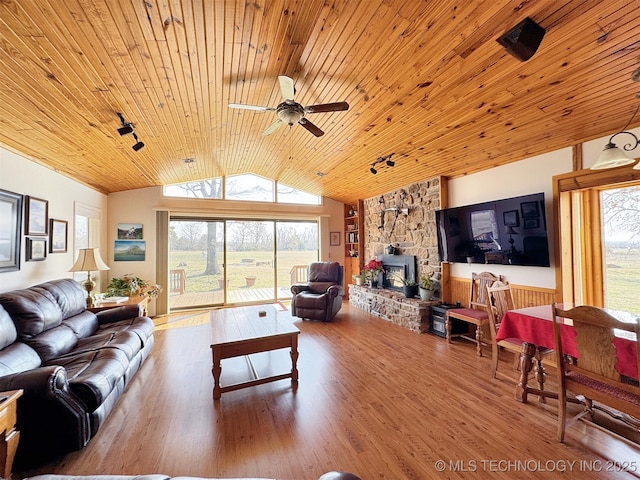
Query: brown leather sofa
(72, 364)
(326, 476)
(321, 297)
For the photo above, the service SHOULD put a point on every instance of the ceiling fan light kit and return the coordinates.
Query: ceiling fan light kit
(290, 111)
(127, 129)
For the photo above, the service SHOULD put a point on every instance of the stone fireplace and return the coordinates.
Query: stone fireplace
(405, 220)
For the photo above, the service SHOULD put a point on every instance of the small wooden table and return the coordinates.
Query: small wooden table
(242, 331)
(141, 301)
(9, 436)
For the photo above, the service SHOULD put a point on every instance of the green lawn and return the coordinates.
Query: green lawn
(240, 265)
(622, 272)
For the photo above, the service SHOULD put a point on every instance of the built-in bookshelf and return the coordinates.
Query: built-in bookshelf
(353, 240)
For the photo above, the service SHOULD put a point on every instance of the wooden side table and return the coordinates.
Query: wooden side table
(141, 301)
(9, 436)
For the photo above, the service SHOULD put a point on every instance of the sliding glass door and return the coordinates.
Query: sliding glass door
(221, 262)
(196, 263)
(250, 260)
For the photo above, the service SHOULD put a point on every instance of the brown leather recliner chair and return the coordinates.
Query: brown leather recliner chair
(321, 297)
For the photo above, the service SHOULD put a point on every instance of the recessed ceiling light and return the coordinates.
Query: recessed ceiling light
(189, 160)
(320, 174)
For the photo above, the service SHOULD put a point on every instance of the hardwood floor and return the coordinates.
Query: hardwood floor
(373, 398)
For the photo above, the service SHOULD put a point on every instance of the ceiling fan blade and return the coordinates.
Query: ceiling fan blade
(327, 107)
(272, 128)
(251, 107)
(311, 127)
(286, 87)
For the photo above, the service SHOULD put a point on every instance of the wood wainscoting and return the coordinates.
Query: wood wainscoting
(523, 295)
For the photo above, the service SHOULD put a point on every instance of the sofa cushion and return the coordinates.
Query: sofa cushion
(68, 294)
(83, 324)
(127, 342)
(33, 311)
(93, 374)
(18, 357)
(8, 333)
(141, 326)
(53, 343)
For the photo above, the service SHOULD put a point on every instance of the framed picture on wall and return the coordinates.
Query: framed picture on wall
(130, 231)
(36, 216)
(511, 218)
(36, 249)
(10, 227)
(57, 236)
(129, 250)
(334, 238)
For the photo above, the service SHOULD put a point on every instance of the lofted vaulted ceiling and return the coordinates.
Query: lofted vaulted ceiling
(425, 80)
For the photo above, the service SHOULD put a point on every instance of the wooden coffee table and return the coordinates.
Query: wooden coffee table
(242, 331)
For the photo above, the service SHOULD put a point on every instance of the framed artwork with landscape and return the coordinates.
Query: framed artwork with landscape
(57, 236)
(36, 216)
(10, 226)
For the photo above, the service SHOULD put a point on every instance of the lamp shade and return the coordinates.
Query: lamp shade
(611, 157)
(89, 260)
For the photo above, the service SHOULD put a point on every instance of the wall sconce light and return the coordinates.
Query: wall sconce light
(127, 129)
(386, 161)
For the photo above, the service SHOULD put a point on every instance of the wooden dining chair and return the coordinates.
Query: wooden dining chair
(476, 313)
(594, 374)
(500, 301)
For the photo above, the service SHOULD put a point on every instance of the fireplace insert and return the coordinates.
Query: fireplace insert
(396, 269)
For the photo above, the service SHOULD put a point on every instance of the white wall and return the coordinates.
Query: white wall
(19, 175)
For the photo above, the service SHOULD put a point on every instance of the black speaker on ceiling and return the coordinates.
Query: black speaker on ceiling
(523, 40)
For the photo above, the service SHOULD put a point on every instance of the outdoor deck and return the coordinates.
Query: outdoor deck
(245, 295)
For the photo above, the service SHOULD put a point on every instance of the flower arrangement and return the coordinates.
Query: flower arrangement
(130, 285)
(373, 268)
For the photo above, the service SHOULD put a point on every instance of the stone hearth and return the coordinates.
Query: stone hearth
(411, 313)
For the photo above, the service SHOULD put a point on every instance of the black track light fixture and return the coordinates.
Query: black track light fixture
(385, 161)
(127, 129)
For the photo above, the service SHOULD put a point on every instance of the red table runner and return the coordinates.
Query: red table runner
(534, 325)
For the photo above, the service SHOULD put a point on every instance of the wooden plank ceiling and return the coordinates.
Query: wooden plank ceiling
(425, 80)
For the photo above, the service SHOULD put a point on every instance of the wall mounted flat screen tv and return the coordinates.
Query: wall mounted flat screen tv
(512, 231)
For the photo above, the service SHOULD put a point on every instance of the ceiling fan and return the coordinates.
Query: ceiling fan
(290, 112)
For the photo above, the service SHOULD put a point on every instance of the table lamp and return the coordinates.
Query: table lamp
(89, 260)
